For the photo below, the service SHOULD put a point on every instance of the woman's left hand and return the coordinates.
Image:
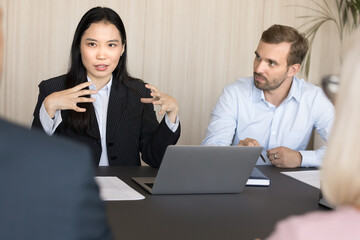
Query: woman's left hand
(168, 104)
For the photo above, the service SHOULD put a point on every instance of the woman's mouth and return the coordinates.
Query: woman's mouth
(101, 67)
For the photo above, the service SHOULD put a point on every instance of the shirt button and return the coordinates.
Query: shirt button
(113, 157)
(110, 144)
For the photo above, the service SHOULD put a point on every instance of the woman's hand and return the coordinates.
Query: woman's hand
(168, 104)
(68, 99)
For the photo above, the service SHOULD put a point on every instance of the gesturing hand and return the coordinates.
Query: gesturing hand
(283, 157)
(168, 104)
(68, 99)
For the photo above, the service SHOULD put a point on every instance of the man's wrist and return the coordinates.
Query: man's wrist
(300, 158)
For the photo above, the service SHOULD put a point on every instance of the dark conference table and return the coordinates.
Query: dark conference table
(247, 215)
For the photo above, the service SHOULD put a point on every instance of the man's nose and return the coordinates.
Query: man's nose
(260, 66)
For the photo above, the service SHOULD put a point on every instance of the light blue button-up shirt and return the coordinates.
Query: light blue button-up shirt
(243, 112)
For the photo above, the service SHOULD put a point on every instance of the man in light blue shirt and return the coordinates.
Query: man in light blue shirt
(274, 109)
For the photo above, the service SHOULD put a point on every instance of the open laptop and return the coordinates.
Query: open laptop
(202, 169)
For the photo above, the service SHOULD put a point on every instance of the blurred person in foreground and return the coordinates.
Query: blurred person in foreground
(340, 172)
(47, 188)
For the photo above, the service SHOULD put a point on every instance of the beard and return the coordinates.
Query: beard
(269, 85)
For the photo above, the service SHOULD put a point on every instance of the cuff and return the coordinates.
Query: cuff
(172, 126)
(309, 159)
(49, 125)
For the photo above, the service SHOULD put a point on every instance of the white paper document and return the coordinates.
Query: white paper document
(113, 189)
(311, 177)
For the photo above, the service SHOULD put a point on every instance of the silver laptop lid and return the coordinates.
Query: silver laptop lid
(205, 169)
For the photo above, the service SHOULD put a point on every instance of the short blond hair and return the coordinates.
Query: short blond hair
(341, 165)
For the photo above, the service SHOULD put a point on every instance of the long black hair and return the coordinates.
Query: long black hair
(77, 73)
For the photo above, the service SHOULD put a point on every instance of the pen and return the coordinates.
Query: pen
(262, 158)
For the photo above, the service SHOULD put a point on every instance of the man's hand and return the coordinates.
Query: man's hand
(249, 142)
(283, 157)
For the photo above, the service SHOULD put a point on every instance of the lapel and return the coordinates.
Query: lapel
(117, 103)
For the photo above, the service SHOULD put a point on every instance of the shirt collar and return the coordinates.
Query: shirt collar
(294, 90)
(106, 88)
(258, 95)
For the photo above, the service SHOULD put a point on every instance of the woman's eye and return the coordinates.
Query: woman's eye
(91, 44)
(112, 45)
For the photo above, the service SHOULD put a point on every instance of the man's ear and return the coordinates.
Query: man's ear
(293, 70)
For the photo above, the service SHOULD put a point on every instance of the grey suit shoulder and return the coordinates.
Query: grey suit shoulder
(47, 188)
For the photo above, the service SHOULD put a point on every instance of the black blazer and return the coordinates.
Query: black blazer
(47, 188)
(131, 128)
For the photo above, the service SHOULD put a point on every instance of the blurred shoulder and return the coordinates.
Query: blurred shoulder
(320, 225)
(37, 140)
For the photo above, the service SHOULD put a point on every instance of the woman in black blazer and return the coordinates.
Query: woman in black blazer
(98, 103)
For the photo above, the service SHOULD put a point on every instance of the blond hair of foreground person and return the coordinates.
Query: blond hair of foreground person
(341, 165)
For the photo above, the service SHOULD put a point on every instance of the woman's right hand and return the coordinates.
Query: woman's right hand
(68, 99)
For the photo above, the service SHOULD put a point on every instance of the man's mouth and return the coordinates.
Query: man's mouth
(260, 78)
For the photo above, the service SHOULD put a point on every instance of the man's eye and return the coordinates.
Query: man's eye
(272, 64)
